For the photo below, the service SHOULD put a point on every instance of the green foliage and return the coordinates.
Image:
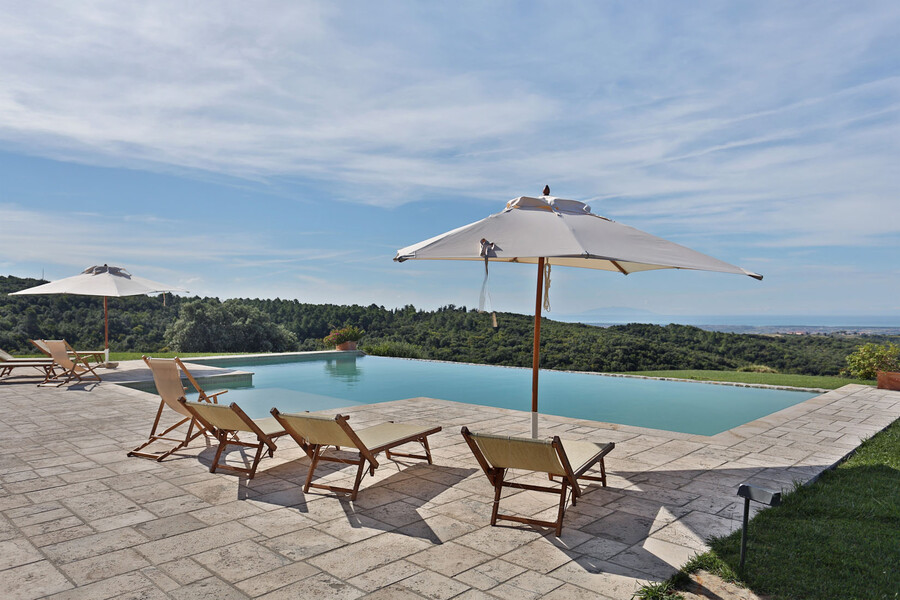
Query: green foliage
(867, 359)
(230, 326)
(398, 349)
(756, 369)
(350, 333)
(663, 590)
(140, 324)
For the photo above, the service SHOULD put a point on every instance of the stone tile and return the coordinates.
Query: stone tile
(93, 545)
(317, 586)
(527, 585)
(275, 579)
(207, 589)
(304, 544)
(449, 559)
(104, 566)
(194, 542)
(107, 588)
(18, 551)
(240, 561)
(433, 585)
(34, 580)
(278, 522)
(351, 560)
(387, 575)
(489, 575)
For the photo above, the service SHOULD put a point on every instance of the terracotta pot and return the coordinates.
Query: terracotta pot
(888, 380)
(346, 346)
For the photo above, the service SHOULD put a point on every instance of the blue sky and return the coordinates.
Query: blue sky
(288, 149)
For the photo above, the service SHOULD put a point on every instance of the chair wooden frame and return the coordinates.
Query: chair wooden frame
(366, 456)
(568, 476)
(226, 423)
(75, 366)
(167, 398)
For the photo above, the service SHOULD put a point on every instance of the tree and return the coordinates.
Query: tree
(232, 326)
(868, 359)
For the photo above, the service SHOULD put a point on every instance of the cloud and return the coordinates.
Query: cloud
(773, 120)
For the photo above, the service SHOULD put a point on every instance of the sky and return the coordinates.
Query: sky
(288, 149)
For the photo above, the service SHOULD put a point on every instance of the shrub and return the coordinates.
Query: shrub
(350, 333)
(866, 360)
(757, 369)
(398, 349)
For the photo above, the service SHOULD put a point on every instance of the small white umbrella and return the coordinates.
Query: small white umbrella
(103, 281)
(553, 231)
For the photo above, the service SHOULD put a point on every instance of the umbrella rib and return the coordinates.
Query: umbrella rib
(618, 266)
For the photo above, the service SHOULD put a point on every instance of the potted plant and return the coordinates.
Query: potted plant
(344, 338)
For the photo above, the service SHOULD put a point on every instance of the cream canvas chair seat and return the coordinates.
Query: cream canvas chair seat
(6, 357)
(169, 386)
(569, 460)
(227, 423)
(314, 433)
(74, 366)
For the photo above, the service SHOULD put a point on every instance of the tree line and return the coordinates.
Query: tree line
(195, 324)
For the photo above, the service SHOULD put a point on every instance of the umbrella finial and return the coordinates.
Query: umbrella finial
(546, 190)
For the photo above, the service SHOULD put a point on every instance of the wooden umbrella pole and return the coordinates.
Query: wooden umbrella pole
(536, 360)
(106, 329)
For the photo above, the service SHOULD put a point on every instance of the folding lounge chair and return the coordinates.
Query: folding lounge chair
(314, 433)
(7, 367)
(170, 388)
(227, 423)
(97, 356)
(6, 357)
(569, 460)
(75, 368)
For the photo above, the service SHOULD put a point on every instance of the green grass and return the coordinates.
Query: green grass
(786, 379)
(120, 356)
(838, 538)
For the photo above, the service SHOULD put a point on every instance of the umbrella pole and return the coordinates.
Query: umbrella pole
(106, 329)
(536, 360)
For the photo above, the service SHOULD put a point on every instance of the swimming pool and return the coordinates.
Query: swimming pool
(343, 382)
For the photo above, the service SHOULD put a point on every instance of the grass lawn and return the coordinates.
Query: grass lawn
(807, 381)
(119, 356)
(838, 538)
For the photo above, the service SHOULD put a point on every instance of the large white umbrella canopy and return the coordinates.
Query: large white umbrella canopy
(554, 231)
(103, 281)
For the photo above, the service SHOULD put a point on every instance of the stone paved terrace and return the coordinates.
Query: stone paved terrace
(79, 519)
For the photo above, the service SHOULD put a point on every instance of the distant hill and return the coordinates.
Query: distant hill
(144, 324)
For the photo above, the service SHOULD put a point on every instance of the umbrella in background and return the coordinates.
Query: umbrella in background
(103, 281)
(553, 231)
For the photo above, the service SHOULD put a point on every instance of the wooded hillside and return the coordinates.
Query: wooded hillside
(144, 324)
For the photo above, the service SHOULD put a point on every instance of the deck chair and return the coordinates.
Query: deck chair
(227, 423)
(314, 433)
(75, 367)
(6, 357)
(570, 461)
(97, 356)
(7, 367)
(169, 386)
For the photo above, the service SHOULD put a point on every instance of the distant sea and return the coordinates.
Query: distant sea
(875, 324)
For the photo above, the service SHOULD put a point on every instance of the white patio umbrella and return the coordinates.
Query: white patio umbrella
(554, 231)
(103, 281)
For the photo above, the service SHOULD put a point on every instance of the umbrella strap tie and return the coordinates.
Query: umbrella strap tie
(486, 250)
(547, 287)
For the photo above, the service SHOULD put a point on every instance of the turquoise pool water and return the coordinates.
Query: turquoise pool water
(674, 406)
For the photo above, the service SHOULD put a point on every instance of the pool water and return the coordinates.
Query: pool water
(670, 405)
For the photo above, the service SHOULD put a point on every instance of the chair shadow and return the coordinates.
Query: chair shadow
(389, 503)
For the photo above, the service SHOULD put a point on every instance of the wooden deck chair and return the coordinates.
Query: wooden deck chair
(6, 357)
(98, 356)
(7, 367)
(227, 423)
(569, 460)
(75, 367)
(314, 433)
(170, 388)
